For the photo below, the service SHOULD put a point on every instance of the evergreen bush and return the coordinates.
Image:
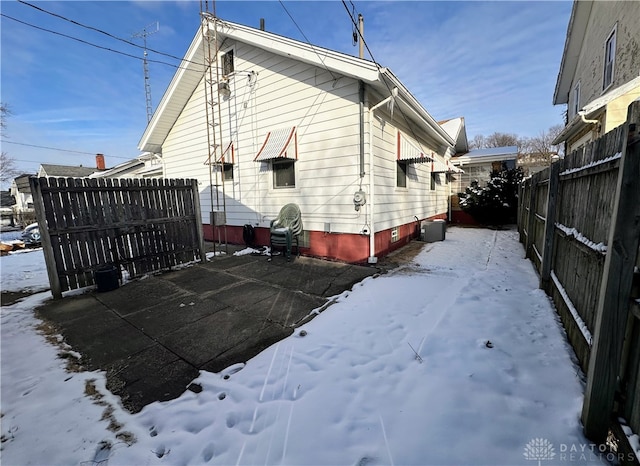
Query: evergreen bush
(497, 202)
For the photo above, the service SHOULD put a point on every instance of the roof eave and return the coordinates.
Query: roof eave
(576, 30)
(434, 128)
(188, 65)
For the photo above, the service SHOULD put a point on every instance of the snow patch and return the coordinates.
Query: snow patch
(592, 164)
(599, 247)
(351, 391)
(634, 439)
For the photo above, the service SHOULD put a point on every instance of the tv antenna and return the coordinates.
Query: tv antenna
(147, 31)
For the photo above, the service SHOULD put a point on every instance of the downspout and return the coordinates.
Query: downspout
(589, 122)
(361, 98)
(371, 201)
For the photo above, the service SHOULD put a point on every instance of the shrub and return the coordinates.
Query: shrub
(497, 202)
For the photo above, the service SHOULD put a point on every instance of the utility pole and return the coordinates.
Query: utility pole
(147, 31)
(361, 35)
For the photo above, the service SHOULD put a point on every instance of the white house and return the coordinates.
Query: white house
(23, 212)
(147, 165)
(291, 122)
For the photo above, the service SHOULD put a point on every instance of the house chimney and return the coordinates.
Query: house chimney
(262, 24)
(100, 162)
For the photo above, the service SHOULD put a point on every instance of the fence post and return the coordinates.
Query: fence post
(549, 226)
(45, 238)
(533, 193)
(615, 289)
(196, 204)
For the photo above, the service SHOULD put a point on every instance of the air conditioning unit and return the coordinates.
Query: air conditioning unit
(433, 230)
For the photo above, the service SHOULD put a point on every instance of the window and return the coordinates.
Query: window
(576, 100)
(433, 181)
(228, 171)
(401, 174)
(609, 60)
(284, 174)
(227, 63)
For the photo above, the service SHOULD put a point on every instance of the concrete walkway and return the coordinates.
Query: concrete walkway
(153, 336)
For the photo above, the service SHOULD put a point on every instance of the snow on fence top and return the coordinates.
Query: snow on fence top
(592, 164)
(599, 247)
(574, 312)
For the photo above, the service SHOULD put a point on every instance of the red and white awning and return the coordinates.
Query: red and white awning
(410, 150)
(279, 143)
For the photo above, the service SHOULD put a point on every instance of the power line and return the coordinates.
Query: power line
(380, 70)
(86, 42)
(77, 23)
(62, 150)
(308, 41)
(355, 24)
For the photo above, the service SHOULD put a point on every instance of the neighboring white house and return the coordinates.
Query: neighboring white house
(147, 165)
(337, 135)
(23, 212)
(600, 70)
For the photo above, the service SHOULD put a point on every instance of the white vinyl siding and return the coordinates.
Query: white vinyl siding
(399, 206)
(285, 93)
(324, 109)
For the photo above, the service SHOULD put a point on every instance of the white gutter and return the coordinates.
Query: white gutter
(372, 232)
(589, 122)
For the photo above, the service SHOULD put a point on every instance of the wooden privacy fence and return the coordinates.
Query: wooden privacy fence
(142, 225)
(579, 221)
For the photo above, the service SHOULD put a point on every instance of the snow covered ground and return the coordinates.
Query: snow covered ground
(456, 358)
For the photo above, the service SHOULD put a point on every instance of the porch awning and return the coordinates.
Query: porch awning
(410, 150)
(444, 166)
(279, 143)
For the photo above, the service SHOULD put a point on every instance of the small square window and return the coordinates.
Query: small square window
(228, 171)
(401, 174)
(609, 60)
(284, 174)
(227, 63)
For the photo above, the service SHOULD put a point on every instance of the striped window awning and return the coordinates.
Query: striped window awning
(279, 143)
(410, 150)
(444, 166)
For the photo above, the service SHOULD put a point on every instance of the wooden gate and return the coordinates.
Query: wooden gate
(141, 225)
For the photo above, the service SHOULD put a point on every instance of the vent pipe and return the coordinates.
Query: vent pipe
(262, 24)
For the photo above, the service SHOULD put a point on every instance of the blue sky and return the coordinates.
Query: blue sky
(495, 63)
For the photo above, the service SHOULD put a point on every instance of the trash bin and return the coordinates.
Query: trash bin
(248, 234)
(107, 278)
(433, 230)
